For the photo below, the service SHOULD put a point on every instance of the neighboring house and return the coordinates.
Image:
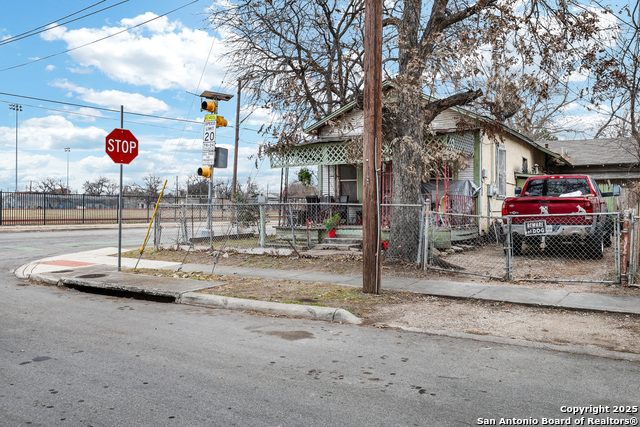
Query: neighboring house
(494, 162)
(608, 160)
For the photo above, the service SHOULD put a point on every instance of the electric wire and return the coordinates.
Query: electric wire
(98, 40)
(52, 22)
(50, 26)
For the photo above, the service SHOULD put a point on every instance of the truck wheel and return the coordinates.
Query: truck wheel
(595, 247)
(608, 231)
(517, 245)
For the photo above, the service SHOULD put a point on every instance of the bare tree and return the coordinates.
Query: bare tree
(51, 185)
(100, 186)
(618, 79)
(304, 59)
(152, 184)
(197, 185)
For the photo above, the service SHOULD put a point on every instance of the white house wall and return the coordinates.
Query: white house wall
(447, 121)
(516, 150)
(351, 124)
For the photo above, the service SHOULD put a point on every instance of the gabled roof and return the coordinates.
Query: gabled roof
(388, 84)
(597, 152)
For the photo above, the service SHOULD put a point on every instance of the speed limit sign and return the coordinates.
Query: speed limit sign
(209, 135)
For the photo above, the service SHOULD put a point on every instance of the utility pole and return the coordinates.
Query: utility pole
(372, 146)
(234, 181)
(67, 150)
(16, 107)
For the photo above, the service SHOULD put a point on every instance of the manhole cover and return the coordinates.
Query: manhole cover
(91, 276)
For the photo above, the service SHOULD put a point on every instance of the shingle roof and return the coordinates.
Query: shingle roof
(591, 152)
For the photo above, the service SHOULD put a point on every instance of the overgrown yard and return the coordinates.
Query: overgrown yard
(406, 309)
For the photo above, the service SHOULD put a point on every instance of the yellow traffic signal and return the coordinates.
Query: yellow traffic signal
(221, 122)
(204, 171)
(209, 106)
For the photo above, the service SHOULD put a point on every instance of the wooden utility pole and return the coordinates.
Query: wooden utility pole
(372, 146)
(234, 181)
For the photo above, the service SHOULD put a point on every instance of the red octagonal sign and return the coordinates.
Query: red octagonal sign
(122, 146)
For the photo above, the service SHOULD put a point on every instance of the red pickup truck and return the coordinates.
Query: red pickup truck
(556, 209)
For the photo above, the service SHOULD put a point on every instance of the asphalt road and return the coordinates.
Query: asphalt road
(69, 358)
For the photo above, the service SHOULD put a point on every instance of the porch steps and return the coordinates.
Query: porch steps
(347, 240)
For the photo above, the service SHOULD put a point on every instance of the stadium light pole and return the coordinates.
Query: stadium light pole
(16, 107)
(66, 150)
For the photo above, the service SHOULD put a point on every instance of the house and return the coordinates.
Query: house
(494, 160)
(608, 160)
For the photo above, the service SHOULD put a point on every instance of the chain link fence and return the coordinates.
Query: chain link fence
(550, 248)
(252, 225)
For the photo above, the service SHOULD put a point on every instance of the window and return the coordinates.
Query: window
(501, 166)
(557, 187)
(349, 182)
(525, 165)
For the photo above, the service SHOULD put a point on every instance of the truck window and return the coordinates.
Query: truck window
(535, 187)
(557, 187)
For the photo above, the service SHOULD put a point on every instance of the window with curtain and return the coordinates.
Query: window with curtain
(502, 171)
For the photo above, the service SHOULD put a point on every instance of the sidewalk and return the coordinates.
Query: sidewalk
(97, 269)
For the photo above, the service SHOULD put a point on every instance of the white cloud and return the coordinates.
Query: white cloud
(50, 67)
(257, 116)
(161, 54)
(114, 98)
(56, 132)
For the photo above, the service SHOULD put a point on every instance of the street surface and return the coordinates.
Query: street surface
(70, 358)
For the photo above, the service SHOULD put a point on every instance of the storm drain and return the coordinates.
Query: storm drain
(119, 293)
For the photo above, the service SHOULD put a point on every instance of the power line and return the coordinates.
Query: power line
(98, 40)
(111, 110)
(118, 119)
(47, 27)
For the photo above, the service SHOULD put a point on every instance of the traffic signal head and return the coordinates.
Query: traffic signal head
(209, 106)
(221, 122)
(204, 171)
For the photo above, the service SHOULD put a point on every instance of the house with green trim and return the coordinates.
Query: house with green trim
(496, 161)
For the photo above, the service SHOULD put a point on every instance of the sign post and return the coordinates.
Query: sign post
(122, 147)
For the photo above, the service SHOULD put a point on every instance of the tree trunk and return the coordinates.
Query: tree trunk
(407, 177)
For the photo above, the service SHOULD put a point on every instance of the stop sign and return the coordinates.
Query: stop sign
(121, 146)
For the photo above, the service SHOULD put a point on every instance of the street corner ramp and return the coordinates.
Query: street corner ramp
(104, 280)
(328, 314)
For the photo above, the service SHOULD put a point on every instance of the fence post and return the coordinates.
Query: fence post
(633, 254)
(44, 208)
(421, 237)
(263, 224)
(83, 207)
(293, 232)
(156, 230)
(508, 246)
(427, 242)
(625, 243)
(1, 206)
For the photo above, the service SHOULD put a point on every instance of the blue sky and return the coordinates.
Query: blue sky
(150, 69)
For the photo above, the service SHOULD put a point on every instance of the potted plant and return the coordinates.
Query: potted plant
(331, 224)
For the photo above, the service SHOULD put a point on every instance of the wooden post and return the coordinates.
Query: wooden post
(372, 146)
(234, 182)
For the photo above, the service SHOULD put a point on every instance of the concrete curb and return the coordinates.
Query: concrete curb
(327, 314)
(305, 311)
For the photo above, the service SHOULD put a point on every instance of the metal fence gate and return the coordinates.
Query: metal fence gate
(496, 247)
